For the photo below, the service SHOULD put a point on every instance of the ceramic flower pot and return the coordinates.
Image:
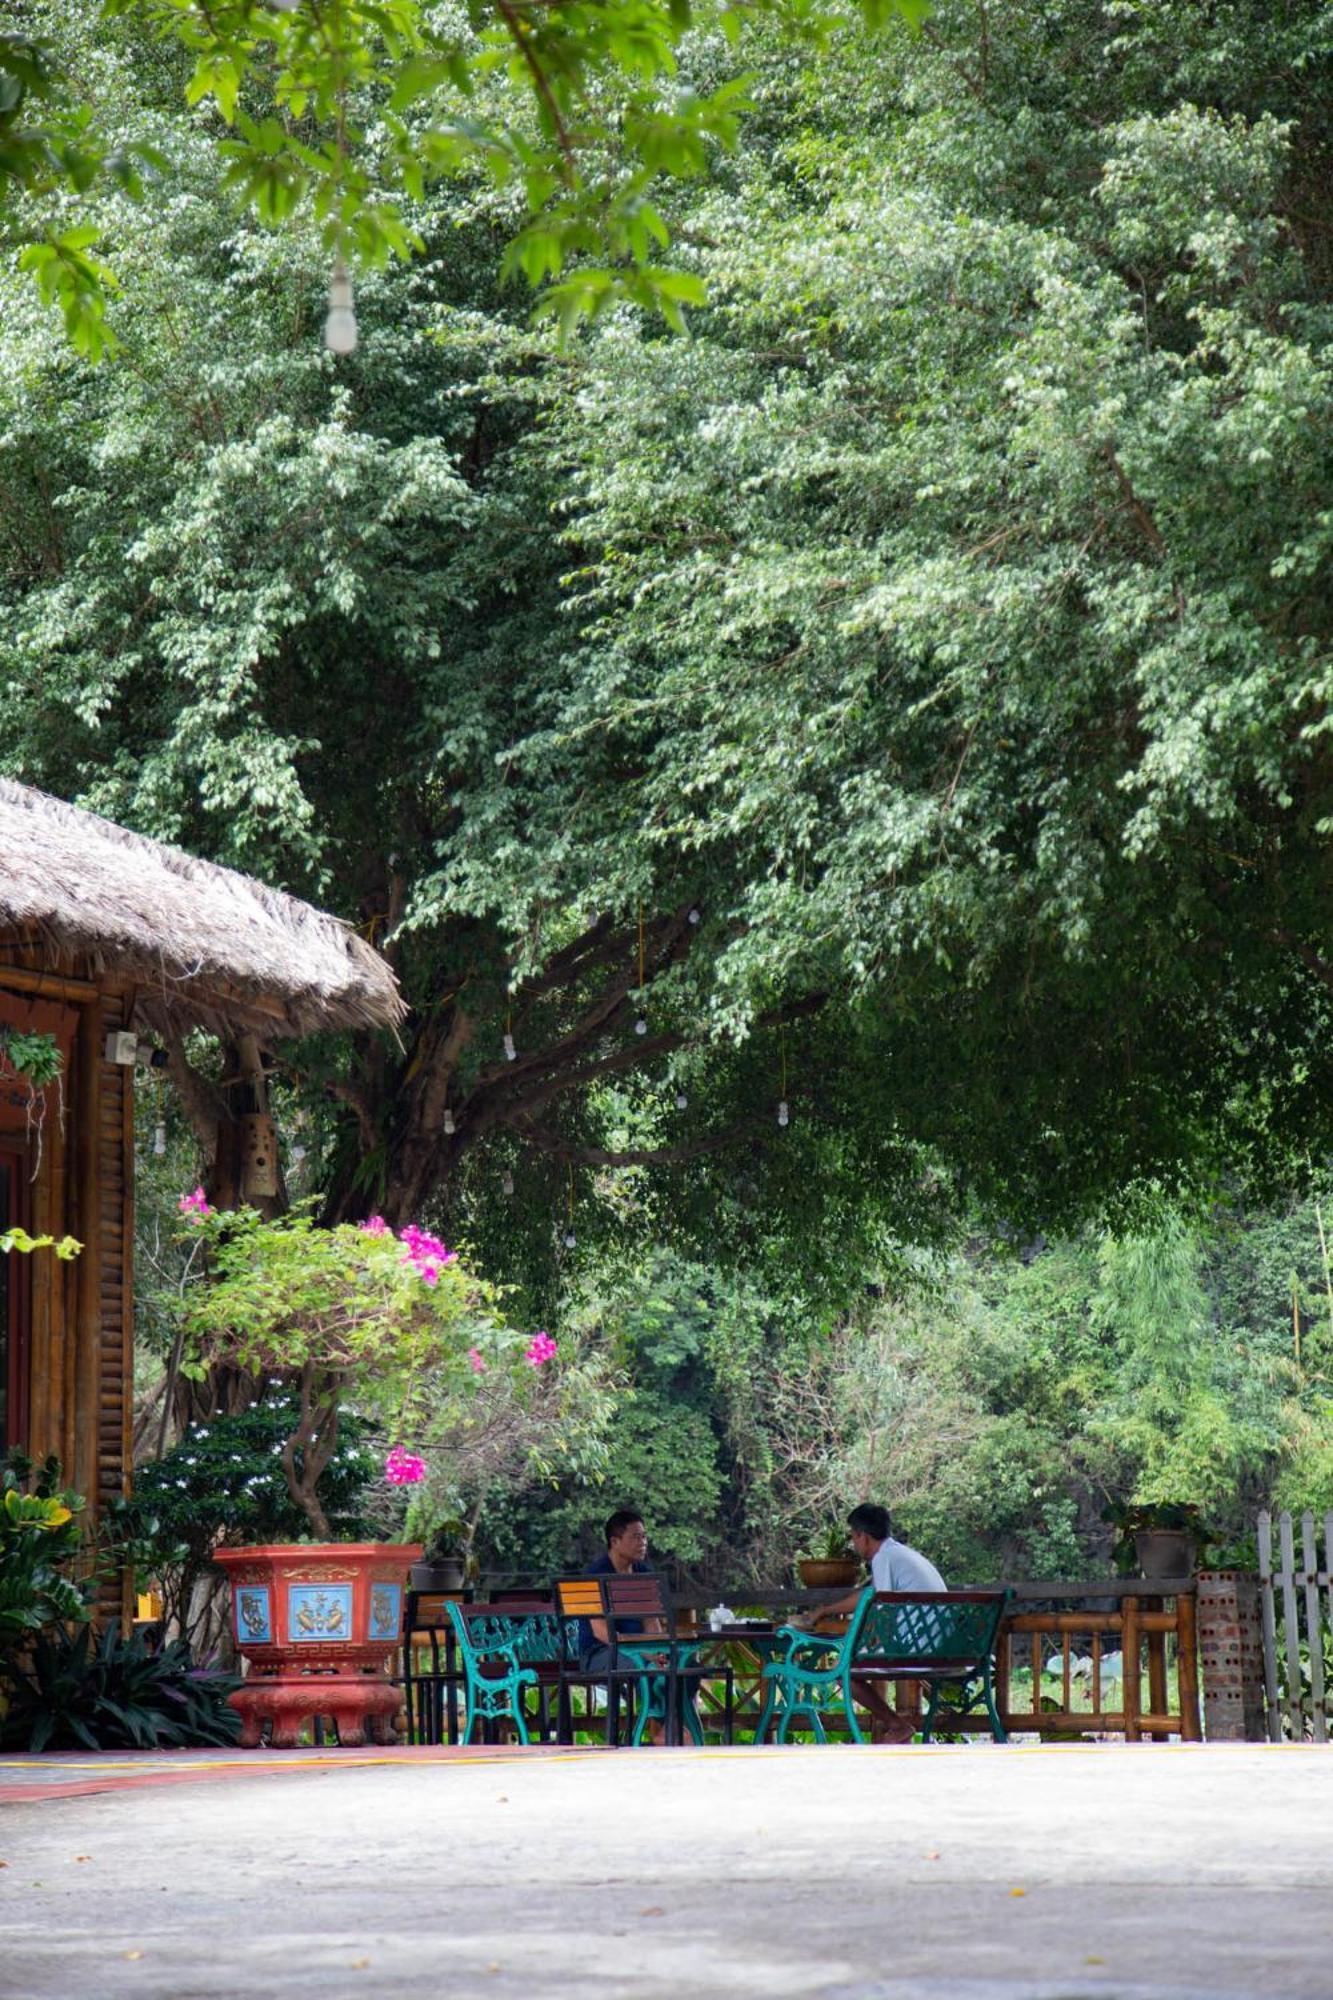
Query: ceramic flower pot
(317, 1624)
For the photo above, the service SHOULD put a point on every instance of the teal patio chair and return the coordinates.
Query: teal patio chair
(491, 1646)
(813, 1674)
(945, 1639)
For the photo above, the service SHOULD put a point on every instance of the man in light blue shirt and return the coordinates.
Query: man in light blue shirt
(893, 1566)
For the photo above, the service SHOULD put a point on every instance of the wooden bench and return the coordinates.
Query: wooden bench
(944, 1638)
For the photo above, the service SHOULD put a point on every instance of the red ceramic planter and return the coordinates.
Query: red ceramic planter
(318, 1624)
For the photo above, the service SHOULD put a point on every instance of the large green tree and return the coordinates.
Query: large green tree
(943, 624)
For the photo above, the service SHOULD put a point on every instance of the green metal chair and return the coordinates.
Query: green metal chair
(814, 1671)
(945, 1639)
(490, 1646)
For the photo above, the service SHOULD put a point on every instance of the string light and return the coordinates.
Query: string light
(449, 1125)
(340, 326)
(784, 1115)
(641, 1025)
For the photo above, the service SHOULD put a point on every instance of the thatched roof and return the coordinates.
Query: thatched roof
(204, 943)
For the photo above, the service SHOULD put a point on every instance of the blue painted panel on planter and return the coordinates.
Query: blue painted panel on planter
(318, 1612)
(386, 1610)
(254, 1615)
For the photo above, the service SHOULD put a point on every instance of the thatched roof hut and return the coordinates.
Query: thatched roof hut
(205, 943)
(101, 934)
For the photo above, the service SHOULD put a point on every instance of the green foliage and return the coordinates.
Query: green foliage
(342, 116)
(40, 1540)
(77, 1693)
(35, 1057)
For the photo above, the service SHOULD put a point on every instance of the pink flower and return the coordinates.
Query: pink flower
(425, 1253)
(475, 1362)
(194, 1204)
(540, 1348)
(374, 1225)
(404, 1468)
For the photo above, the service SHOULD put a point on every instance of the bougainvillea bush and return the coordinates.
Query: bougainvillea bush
(393, 1321)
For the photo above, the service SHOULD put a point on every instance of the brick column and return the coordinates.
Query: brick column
(1231, 1658)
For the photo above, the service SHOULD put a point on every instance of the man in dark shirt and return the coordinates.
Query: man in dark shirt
(626, 1548)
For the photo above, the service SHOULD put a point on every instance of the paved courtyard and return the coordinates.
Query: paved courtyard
(949, 1873)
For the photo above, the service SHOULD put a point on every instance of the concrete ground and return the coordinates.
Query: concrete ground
(1126, 1872)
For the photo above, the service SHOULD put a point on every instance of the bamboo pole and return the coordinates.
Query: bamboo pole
(1187, 1669)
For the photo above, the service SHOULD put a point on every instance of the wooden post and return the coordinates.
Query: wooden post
(86, 1275)
(1157, 1702)
(1187, 1669)
(1129, 1667)
(1269, 1627)
(1314, 1636)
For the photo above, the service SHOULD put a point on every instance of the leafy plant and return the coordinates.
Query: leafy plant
(1129, 1520)
(39, 1541)
(35, 1057)
(116, 1693)
(829, 1544)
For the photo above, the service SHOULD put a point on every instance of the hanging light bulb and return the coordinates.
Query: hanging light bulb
(511, 1053)
(507, 1182)
(641, 1025)
(340, 326)
(694, 916)
(681, 1100)
(298, 1154)
(784, 1116)
(159, 1138)
(449, 1125)
(570, 1239)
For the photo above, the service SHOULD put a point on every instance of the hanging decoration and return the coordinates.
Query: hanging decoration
(340, 326)
(784, 1113)
(507, 1182)
(449, 1125)
(511, 1053)
(570, 1236)
(641, 1025)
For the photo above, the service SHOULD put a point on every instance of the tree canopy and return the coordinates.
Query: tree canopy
(943, 624)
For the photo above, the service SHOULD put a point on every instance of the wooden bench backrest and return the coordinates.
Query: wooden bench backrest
(956, 1627)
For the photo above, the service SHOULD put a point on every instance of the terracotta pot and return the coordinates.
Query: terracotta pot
(826, 1573)
(1165, 1552)
(328, 1605)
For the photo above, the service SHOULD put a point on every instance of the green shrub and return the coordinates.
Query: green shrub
(74, 1693)
(39, 1540)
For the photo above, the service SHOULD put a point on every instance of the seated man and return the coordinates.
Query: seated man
(626, 1548)
(893, 1566)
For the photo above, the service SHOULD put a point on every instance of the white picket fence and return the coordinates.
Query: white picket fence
(1296, 1599)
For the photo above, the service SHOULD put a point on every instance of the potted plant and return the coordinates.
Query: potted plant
(828, 1563)
(392, 1319)
(443, 1565)
(1159, 1537)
